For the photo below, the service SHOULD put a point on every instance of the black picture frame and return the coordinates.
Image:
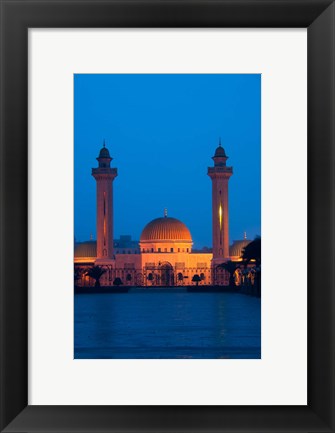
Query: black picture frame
(19, 15)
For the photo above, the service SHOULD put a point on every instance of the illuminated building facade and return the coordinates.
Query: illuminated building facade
(163, 256)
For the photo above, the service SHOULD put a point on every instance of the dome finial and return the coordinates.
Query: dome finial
(220, 141)
(245, 235)
(104, 155)
(165, 213)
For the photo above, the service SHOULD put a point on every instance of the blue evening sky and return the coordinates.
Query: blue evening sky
(162, 131)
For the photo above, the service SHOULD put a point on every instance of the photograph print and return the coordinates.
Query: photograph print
(167, 216)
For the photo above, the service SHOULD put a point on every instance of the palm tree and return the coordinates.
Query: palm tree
(117, 281)
(196, 279)
(95, 272)
(230, 267)
(77, 274)
(253, 251)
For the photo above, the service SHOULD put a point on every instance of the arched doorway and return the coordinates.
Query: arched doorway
(166, 274)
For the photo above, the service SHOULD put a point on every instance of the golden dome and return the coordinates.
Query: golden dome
(236, 249)
(166, 228)
(85, 249)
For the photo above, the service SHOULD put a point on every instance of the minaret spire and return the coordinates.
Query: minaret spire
(104, 175)
(220, 175)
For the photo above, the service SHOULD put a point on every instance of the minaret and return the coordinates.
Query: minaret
(220, 175)
(104, 175)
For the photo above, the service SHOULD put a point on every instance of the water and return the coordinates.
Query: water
(170, 324)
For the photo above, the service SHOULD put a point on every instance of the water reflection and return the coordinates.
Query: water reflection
(151, 323)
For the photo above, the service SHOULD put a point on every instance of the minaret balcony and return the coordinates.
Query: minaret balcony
(213, 170)
(105, 170)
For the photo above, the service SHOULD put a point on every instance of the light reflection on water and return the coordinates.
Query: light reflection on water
(156, 323)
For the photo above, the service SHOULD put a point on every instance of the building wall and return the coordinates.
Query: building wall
(185, 264)
(170, 269)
